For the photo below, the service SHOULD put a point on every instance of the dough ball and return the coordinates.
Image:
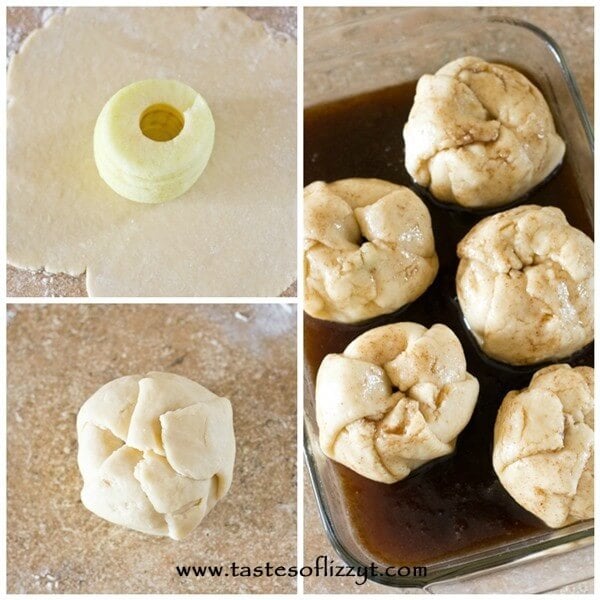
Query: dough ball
(396, 398)
(544, 445)
(368, 249)
(156, 453)
(525, 285)
(480, 134)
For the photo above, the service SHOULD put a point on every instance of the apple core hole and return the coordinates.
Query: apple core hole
(161, 122)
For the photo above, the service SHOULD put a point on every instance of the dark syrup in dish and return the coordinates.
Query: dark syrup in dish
(454, 505)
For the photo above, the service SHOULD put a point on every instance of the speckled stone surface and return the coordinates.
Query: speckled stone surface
(58, 355)
(573, 29)
(20, 21)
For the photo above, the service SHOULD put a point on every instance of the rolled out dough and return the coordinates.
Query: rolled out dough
(233, 233)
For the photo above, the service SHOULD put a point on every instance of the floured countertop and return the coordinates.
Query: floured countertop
(59, 355)
(20, 22)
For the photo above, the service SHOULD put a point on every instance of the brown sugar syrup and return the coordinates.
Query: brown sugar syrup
(454, 505)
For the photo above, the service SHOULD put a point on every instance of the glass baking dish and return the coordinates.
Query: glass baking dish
(387, 48)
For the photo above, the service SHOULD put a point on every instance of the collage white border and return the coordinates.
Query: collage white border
(229, 300)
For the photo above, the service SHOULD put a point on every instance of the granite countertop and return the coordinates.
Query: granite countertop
(58, 355)
(20, 22)
(573, 29)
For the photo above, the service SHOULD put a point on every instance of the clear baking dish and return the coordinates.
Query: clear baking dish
(388, 48)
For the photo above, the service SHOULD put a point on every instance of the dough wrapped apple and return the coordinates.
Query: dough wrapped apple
(397, 397)
(153, 139)
(525, 285)
(156, 453)
(368, 249)
(544, 445)
(480, 134)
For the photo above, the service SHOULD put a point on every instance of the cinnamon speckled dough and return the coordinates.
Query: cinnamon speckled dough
(480, 134)
(544, 445)
(368, 249)
(397, 397)
(525, 283)
(230, 234)
(156, 452)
